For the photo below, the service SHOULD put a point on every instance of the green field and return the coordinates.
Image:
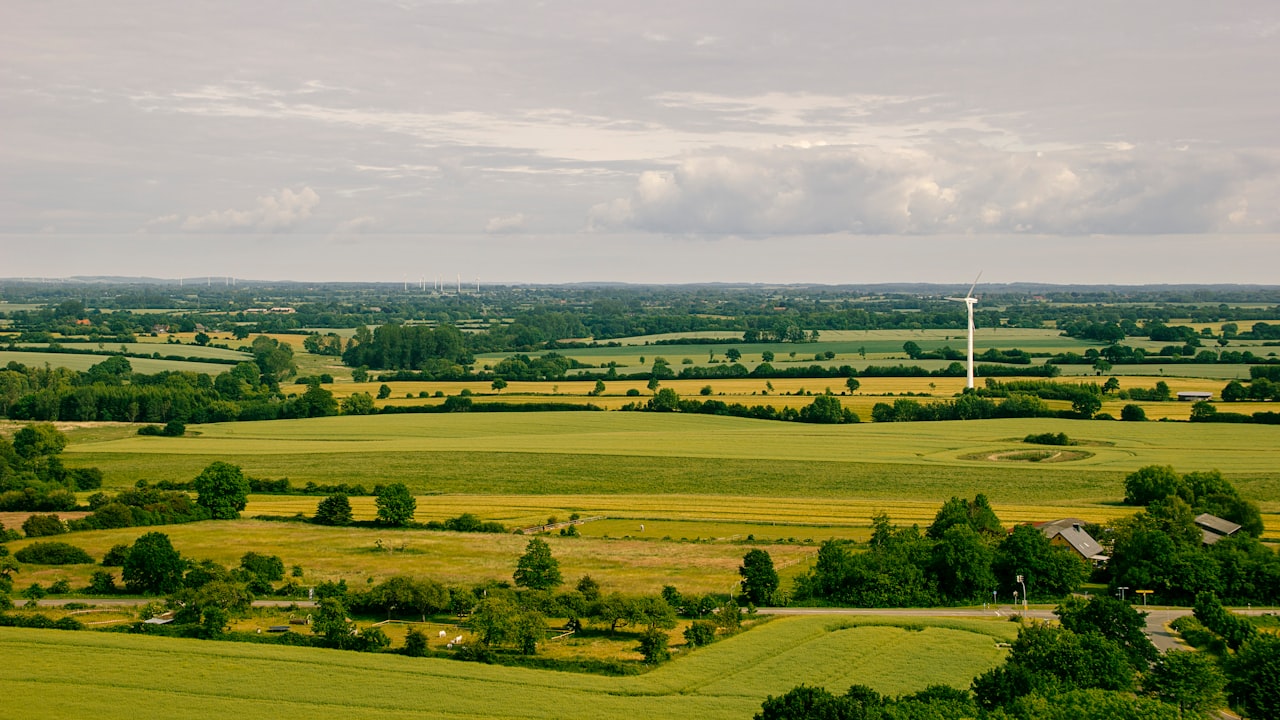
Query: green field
(74, 361)
(52, 674)
(652, 454)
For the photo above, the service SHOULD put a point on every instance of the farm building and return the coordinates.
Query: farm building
(1194, 396)
(1069, 532)
(1214, 528)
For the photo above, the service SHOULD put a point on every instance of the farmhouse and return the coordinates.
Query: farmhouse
(1194, 396)
(1069, 532)
(1214, 528)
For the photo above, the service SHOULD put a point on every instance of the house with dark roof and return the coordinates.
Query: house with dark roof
(1069, 532)
(1214, 528)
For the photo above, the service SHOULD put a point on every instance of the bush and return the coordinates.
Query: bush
(1133, 413)
(53, 553)
(701, 632)
(116, 556)
(102, 583)
(43, 526)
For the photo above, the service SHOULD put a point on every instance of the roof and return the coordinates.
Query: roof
(1071, 530)
(1214, 528)
(1194, 395)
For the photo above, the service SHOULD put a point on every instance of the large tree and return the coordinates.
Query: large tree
(396, 505)
(333, 510)
(536, 569)
(759, 578)
(153, 565)
(223, 490)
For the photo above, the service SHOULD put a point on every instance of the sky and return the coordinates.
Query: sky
(662, 142)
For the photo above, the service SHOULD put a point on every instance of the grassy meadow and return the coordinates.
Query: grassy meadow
(53, 674)
(659, 454)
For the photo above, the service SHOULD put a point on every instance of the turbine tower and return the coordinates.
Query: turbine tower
(969, 301)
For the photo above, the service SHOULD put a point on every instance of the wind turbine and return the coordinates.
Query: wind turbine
(969, 301)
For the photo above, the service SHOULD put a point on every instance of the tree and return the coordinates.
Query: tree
(824, 409)
(223, 490)
(360, 403)
(333, 510)
(267, 567)
(733, 355)
(766, 356)
(153, 565)
(598, 389)
(1153, 482)
(498, 384)
(415, 643)
(1190, 680)
(1133, 413)
(653, 384)
(384, 391)
(759, 578)
(316, 402)
(536, 569)
(1047, 569)
(396, 505)
(853, 384)
(653, 646)
(961, 562)
(43, 526)
(666, 400)
(1085, 404)
(1254, 674)
(274, 358)
(1112, 619)
(38, 440)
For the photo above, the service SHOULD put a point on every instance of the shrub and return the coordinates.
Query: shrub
(1133, 413)
(53, 553)
(43, 526)
(701, 632)
(116, 556)
(102, 583)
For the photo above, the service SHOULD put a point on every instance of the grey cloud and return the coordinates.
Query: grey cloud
(951, 188)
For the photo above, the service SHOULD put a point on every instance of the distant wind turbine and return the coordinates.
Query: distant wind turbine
(969, 301)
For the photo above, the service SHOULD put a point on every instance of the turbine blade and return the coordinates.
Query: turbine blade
(974, 285)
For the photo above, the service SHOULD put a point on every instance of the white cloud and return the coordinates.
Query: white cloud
(281, 211)
(505, 223)
(950, 188)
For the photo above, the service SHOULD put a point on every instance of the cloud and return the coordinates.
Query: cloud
(505, 223)
(273, 213)
(356, 225)
(948, 188)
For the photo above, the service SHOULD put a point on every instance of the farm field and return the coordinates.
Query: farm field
(163, 347)
(354, 554)
(140, 365)
(58, 674)
(648, 453)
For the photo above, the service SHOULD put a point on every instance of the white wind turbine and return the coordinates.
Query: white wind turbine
(969, 301)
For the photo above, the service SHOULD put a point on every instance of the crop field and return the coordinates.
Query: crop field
(355, 554)
(649, 453)
(164, 348)
(84, 362)
(53, 674)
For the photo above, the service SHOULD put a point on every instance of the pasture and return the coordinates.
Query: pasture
(357, 554)
(148, 366)
(53, 674)
(651, 453)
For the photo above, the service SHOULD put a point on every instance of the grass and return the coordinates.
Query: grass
(453, 558)
(647, 454)
(59, 674)
(84, 362)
